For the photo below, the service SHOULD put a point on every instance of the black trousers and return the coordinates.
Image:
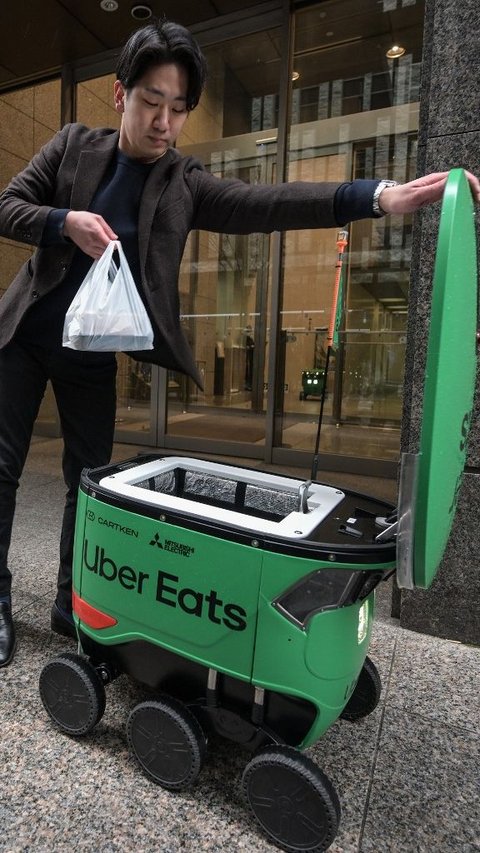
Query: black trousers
(84, 388)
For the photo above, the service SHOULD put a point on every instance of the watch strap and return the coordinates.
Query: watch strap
(377, 210)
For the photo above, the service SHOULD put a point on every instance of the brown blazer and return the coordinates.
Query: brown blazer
(179, 195)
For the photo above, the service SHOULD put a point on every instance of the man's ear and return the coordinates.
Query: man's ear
(119, 96)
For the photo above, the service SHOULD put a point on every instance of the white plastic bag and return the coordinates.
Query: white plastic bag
(107, 313)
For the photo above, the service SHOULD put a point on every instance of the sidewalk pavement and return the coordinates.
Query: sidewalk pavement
(407, 775)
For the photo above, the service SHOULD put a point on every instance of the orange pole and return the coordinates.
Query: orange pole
(342, 243)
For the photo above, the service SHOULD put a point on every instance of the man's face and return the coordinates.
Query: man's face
(153, 111)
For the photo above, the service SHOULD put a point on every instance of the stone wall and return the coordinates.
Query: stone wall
(449, 137)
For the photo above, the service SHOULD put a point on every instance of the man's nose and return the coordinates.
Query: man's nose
(162, 118)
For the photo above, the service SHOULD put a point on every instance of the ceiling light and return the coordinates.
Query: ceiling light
(141, 12)
(395, 52)
(109, 5)
(295, 75)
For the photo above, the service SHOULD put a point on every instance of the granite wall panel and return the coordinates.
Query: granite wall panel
(451, 68)
(448, 137)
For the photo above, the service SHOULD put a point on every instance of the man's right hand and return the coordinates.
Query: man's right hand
(88, 231)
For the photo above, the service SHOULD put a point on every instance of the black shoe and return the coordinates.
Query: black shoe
(61, 624)
(7, 634)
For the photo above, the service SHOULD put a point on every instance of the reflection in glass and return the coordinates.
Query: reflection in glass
(354, 115)
(224, 279)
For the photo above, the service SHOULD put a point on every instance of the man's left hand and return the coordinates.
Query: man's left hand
(407, 198)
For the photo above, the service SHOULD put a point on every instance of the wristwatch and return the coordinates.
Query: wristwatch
(377, 210)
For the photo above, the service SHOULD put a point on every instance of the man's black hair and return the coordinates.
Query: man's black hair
(156, 44)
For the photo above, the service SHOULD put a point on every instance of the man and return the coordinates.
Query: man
(88, 187)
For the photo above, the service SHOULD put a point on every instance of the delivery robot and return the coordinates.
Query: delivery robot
(243, 601)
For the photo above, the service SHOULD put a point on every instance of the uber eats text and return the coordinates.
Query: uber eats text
(168, 591)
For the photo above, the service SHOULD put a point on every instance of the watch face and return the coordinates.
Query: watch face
(377, 210)
(431, 480)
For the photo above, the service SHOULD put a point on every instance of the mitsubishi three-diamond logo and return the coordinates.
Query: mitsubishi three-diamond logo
(174, 547)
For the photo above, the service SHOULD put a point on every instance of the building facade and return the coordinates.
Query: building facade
(307, 92)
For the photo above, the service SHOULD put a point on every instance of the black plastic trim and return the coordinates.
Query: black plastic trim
(358, 590)
(356, 553)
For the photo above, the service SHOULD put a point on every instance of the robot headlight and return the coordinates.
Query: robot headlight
(326, 589)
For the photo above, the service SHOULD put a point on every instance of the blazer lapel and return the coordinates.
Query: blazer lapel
(155, 186)
(92, 163)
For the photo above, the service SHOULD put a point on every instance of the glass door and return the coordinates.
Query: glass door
(225, 279)
(354, 115)
(224, 290)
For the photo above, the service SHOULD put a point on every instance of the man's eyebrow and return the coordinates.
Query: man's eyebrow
(154, 91)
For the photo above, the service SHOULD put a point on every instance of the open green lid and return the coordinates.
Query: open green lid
(430, 480)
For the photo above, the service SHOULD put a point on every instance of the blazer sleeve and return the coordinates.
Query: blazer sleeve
(231, 206)
(28, 199)
(235, 207)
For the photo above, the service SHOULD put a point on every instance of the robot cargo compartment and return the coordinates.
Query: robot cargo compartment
(251, 500)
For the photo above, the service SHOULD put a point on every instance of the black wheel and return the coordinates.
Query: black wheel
(366, 695)
(292, 799)
(72, 693)
(167, 741)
